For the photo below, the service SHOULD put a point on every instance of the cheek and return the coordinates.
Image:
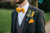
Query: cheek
(16, 0)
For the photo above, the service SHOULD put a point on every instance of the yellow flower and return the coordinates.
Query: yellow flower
(33, 12)
(31, 21)
(32, 15)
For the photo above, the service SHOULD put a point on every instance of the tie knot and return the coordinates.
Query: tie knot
(22, 9)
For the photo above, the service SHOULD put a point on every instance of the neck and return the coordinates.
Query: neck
(22, 4)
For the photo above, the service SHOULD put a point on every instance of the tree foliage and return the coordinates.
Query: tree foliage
(45, 5)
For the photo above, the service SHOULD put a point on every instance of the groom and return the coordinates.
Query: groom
(27, 18)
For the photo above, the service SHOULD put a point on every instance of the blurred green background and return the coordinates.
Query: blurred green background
(6, 8)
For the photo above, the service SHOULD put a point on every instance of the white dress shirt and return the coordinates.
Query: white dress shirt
(21, 15)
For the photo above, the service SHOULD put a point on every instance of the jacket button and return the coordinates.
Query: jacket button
(19, 29)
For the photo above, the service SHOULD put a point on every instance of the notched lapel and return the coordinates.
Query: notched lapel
(26, 21)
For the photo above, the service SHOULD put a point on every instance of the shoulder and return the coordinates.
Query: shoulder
(13, 11)
(36, 9)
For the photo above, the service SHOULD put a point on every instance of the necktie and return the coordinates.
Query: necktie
(19, 10)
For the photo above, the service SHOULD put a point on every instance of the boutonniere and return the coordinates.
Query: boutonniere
(31, 18)
(30, 15)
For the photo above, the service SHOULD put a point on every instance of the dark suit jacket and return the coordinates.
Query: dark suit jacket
(39, 21)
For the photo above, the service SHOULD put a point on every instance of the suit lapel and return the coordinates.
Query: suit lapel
(26, 22)
(16, 21)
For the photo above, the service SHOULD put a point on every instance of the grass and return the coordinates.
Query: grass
(47, 16)
(5, 20)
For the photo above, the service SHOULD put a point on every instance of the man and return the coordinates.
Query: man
(27, 18)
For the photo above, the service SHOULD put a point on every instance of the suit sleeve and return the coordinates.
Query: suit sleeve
(40, 23)
(12, 22)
